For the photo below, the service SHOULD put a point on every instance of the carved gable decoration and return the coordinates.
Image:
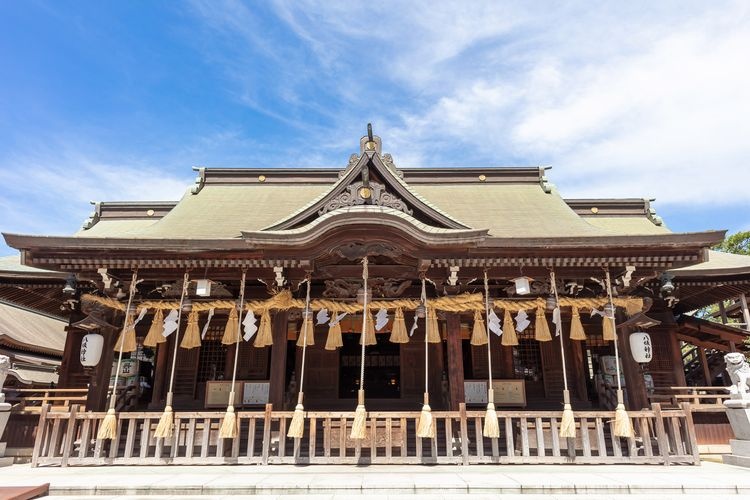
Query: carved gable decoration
(379, 196)
(370, 179)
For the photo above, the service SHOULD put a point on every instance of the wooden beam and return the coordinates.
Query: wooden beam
(455, 361)
(702, 343)
(704, 365)
(278, 360)
(745, 311)
(675, 352)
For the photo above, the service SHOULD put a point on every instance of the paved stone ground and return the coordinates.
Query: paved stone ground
(386, 482)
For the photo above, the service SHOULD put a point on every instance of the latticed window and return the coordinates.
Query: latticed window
(213, 355)
(527, 359)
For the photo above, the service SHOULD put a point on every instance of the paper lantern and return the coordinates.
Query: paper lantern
(523, 285)
(91, 349)
(641, 347)
(203, 288)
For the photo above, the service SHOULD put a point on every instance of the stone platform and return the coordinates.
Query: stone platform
(384, 481)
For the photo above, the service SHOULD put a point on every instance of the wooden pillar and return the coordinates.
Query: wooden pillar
(504, 359)
(277, 385)
(96, 399)
(71, 371)
(745, 311)
(577, 381)
(436, 368)
(678, 365)
(161, 376)
(455, 361)
(704, 365)
(635, 385)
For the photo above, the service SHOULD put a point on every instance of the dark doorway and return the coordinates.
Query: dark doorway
(382, 368)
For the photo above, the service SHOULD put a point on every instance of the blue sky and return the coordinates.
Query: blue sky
(110, 100)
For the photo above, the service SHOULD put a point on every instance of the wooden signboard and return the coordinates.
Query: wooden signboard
(217, 393)
(508, 392)
(255, 392)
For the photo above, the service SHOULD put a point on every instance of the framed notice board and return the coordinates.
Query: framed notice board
(255, 393)
(217, 393)
(508, 392)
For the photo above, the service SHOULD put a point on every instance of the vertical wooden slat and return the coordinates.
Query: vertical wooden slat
(373, 438)
(448, 437)
(145, 443)
(250, 452)
(83, 449)
(585, 437)
(190, 438)
(524, 437)
(478, 436)
(418, 442)
(175, 445)
(510, 446)
(600, 441)
(540, 451)
(114, 444)
(70, 435)
(645, 436)
(54, 446)
(235, 452)
(463, 426)
(404, 437)
(555, 434)
(388, 438)
(327, 431)
(205, 437)
(690, 431)
(266, 433)
(313, 437)
(342, 437)
(616, 447)
(662, 440)
(130, 438)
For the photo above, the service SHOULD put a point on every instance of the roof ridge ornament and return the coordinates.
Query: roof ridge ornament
(370, 143)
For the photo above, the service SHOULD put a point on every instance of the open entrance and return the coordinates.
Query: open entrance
(382, 368)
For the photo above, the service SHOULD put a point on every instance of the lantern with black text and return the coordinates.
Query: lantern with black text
(91, 349)
(641, 347)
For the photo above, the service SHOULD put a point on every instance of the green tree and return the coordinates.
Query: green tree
(736, 243)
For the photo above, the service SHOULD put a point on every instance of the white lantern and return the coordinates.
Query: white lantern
(641, 347)
(523, 285)
(91, 349)
(203, 288)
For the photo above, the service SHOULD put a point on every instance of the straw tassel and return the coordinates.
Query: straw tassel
(568, 422)
(308, 338)
(108, 427)
(126, 340)
(369, 336)
(541, 328)
(433, 329)
(297, 425)
(265, 335)
(479, 333)
(166, 422)
(398, 332)
(359, 426)
(491, 426)
(231, 331)
(426, 424)
(576, 328)
(155, 334)
(510, 337)
(334, 340)
(608, 328)
(228, 427)
(623, 425)
(192, 336)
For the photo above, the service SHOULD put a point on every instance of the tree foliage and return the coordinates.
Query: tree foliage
(736, 243)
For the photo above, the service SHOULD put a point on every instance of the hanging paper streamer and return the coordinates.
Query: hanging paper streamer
(381, 319)
(557, 321)
(208, 322)
(231, 334)
(522, 321)
(322, 317)
(494, 323)
(249, 325)
(265, 336)
(398, 332)
(479, 333)
(140, 317)
(509, 338)
(414, 326)
(155, 335)
(541, 328)
(170, 322)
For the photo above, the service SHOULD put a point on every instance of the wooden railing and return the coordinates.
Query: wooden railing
(708, 398)
(32, 400)
(662, 437)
